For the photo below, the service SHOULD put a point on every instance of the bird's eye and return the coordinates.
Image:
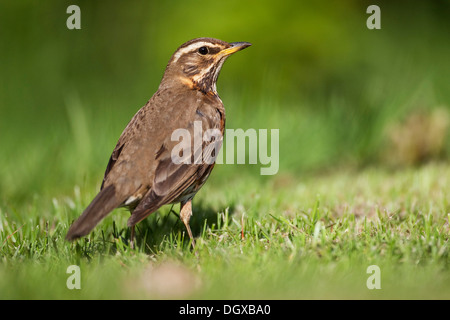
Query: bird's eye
(203, 50)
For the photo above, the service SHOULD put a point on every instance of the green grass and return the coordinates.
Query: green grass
(281, 239)
(333, 88)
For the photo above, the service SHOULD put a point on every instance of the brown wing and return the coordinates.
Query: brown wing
(184, 176)
(173, 181)
(112, 161)
(127, 136)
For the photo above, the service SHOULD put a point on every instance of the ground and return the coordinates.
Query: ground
(283, 238)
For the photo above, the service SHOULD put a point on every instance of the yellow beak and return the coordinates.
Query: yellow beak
(235, 47)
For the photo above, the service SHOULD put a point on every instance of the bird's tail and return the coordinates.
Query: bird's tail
(103, 203)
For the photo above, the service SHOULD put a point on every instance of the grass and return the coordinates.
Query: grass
(313, 239)
(350, 104)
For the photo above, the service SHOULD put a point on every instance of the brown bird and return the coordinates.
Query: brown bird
(141, 173)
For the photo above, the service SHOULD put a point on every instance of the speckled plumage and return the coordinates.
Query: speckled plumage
(140, 173)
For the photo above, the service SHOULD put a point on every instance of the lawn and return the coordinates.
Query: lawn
(363, 120)
(311, 238)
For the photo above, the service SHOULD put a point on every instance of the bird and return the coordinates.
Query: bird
(141, 173)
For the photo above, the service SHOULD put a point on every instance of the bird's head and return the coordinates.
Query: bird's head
(197, 63)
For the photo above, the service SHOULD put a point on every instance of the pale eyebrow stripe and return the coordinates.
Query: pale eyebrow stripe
(191, 47)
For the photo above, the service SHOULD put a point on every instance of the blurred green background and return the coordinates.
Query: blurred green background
(342, 95)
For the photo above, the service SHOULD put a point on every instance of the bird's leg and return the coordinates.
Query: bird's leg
(132, 238)
(185, 216)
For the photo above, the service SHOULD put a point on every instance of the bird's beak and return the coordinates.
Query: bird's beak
(235, 47)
